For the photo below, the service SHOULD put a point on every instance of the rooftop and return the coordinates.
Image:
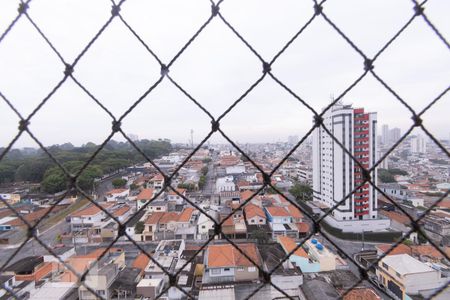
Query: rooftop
(145, 194)
(406, 264)
(227, 255)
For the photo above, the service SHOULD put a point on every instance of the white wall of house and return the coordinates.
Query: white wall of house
(219, 272)
(256, 220)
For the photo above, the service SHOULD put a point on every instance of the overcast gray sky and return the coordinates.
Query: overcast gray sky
(217, 68)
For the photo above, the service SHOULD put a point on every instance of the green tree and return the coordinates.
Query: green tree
(54, 183)
(119, 183)
(385, 176)
(407, 242)
(301, 191)
(188, 186)
(202, 182)
(204, 170)
(139, 227)
(7, 172)
(260, 235)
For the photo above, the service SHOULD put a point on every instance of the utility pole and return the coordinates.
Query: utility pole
(362, 241)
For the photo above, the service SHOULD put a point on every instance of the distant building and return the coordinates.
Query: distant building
(394, 135)
(418, 145)
(385, 134)
(11, 199)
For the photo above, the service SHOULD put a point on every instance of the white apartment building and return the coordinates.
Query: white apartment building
(418, 145)
(335, 174)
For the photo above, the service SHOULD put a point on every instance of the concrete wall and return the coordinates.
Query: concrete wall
(359, 225)
(246, 273)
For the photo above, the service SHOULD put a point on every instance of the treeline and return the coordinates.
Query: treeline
(388, 175)
(35, 165)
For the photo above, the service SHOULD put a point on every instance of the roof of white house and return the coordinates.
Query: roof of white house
(406, 264)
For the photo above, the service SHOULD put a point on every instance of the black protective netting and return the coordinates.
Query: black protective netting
(318, 11)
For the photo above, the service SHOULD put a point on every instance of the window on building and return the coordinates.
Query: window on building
(215, 271)
(240, 268)
(251, 269)
(226, 269)
(385, 266)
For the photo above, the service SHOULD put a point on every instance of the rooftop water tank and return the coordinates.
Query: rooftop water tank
(319, 247)
(314, 241)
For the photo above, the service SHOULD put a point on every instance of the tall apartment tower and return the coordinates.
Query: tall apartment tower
(335, 174)
(418, 144)
(385, 134)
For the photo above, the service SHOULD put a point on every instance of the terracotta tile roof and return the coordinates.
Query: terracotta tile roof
(186, 215)
(251, 210)
(157, 177)
(117, 191)
(295, 212)
(289, 244)
(145, 194)
(30, 218)
(243, 183)
(444, 203)
(246, 195)
(303, 227)
(141, 262)
(277, 211)
(362, 294)
(228, 256)
(91, 210)
(400, 249)
(228, 222)
(107, 204)
(97, 252)
(399, 217)
(427, 250)
(154, 218)
(168, 217)
(179, 190)
(121, 211)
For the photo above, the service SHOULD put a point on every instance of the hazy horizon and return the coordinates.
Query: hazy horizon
(217, 68)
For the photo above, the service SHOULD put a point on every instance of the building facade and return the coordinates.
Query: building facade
(336, 174)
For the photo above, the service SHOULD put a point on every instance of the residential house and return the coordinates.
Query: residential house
(144, 196)
(117, 194)
(87, 217)
(280, 222)
(224, 263)
(254, 215)
(205, 225)
(405, 276)
(174, 197)
(157, 182)
(11, 199)
(312, 257)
